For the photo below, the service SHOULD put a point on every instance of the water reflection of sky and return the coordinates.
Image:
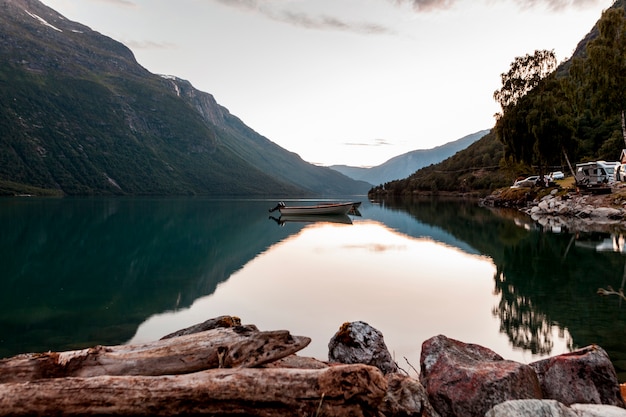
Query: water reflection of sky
(408, 288)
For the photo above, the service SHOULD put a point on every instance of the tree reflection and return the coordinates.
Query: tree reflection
(545, 281)
(526, 326)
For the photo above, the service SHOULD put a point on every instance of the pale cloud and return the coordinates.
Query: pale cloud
(282, 11)
(149, 45)
(554, 5)
(123, 3)
(279, 11)
(329, 22)
(376, 142)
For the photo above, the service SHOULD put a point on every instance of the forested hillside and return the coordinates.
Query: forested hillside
(475, 168)
(549, 114)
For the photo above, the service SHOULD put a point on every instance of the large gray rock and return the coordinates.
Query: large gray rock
(467, 380)
(584, 376)
(595, 410)
(358, 342)
(531, 408)
(552, 408)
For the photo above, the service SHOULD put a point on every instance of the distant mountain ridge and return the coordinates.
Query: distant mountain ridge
(80, 116)
(406, 164)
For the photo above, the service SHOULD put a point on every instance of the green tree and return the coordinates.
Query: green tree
(524, 74)
(533, 127)
(598, 80)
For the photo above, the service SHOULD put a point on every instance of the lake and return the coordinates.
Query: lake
(81, 272)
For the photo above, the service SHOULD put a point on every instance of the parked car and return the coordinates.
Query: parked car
(556, 175)
(526, 182)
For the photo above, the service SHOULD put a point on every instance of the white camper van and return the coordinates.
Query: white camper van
(596, 174)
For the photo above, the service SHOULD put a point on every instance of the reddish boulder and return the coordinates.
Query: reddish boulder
(467, 380)
(584, 376)
(358, 342)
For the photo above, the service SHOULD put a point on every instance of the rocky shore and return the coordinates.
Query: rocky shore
(223, 368)
(567, 209)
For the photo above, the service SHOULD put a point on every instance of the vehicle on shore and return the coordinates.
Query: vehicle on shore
(596, 174)
(556, 175)
(527, 182)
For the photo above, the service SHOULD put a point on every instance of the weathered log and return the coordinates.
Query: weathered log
(354, 390)
(210, 324)
(218, 348)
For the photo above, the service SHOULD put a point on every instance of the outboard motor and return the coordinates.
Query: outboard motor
(278, 206)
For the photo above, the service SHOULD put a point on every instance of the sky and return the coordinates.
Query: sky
(352, 82)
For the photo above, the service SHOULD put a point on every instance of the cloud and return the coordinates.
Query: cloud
(123, 3)
(280, 12)
(328, 22)
(376, 142)
(149, 45)
(555, 5)
(427, 5)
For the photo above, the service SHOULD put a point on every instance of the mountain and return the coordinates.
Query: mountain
(80, 116)
(404, 165)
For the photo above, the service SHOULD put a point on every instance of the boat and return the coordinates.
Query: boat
(312, 218)
(319, 209)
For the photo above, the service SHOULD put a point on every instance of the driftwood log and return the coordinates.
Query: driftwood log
(240, 346)
(217, 368)
(210, 324)
(342, 390)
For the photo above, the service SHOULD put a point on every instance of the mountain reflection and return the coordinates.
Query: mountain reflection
(79, 272)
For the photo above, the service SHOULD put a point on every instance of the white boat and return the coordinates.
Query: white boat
(319, 209)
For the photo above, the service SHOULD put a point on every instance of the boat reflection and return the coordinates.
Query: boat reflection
(602, 242)
(311, 218)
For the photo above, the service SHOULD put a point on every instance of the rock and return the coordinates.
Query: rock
(552, 408)
(530, 408)
(467, 380)
(544, 206)
(406, 397)
(595, 410)
(358, 342)
(606, 212)
(584, 376)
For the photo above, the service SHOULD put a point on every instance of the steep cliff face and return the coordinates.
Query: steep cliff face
(204, 103)
(79, 115)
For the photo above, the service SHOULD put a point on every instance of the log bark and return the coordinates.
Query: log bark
(218, 348)
(354, 390)
(210, 324)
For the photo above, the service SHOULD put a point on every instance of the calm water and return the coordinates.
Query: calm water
(81, 272)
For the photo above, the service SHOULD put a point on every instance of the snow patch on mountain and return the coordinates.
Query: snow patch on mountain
(42, 21)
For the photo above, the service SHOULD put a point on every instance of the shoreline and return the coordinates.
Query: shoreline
(559, 209)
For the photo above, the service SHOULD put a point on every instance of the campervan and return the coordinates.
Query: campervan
(610, 168)
(595, 174)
